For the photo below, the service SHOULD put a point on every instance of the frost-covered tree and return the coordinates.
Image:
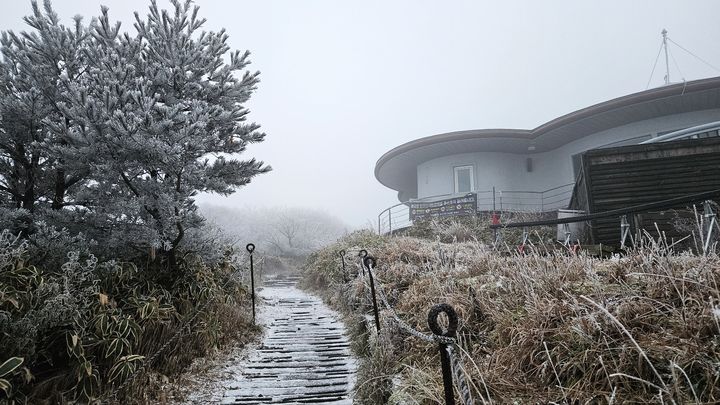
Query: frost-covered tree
(35, 136)
(161, 116)
(281, 231)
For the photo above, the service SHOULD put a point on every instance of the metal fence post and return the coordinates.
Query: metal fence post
(390, 221)
(624, 230)
(342, 258)
(251, 248)
(494, 219)
(709, 223)
(370, 263)
(493, 199)
(362, 254)
(566, 230)
(444, 356)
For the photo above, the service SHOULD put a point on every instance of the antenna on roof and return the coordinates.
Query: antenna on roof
(667, 62)
(664, 46)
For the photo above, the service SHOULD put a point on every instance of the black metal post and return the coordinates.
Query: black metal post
(493, 199)
(444, 356)
(344, 271)
(494, 216)
(342, 257)
(251, 248)
(370, 262)
(390, 221)
(362, 254)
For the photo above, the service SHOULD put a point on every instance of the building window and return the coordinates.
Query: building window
(464, 179)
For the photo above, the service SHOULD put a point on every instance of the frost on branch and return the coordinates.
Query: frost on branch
(120, 131)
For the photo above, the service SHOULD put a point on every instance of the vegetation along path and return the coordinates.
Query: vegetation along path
(304, 357)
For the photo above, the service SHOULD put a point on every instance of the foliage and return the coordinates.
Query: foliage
(106, 268)
(86, 328)
(112, 134)
(6, 368)
(476, 228)
(542, 327)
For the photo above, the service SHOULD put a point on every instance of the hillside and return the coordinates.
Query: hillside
(641, 328)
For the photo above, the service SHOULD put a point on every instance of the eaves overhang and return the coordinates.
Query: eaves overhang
(397, 168)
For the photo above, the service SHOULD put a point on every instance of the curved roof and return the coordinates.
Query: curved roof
(397, 169)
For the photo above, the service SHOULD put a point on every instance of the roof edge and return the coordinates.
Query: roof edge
(532, 134)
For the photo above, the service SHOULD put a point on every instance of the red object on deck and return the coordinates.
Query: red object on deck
(495, 218)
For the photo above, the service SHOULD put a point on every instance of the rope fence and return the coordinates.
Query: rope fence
(451, 362)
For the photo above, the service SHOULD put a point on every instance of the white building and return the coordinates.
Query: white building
(535, 169)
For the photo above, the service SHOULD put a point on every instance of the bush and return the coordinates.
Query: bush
(477, 228)
(84, 328)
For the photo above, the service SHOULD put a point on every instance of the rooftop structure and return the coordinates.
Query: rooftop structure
(533, 161)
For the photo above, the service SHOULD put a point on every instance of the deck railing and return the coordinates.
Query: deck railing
(709, 130)
(397, 217)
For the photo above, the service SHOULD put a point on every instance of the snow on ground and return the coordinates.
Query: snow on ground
(304, 356)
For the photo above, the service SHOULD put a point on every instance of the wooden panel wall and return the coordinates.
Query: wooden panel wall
(620, 177)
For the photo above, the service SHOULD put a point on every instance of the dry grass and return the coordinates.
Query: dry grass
(644, 328)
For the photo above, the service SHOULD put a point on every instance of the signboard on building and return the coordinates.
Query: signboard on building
(450, 207)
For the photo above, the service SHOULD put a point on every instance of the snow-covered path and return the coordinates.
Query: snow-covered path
(304, 357)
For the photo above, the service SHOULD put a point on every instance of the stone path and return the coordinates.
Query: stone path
(304, 357)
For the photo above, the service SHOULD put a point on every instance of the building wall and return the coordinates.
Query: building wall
(508, 171)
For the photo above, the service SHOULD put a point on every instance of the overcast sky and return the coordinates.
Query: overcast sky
(343, 82)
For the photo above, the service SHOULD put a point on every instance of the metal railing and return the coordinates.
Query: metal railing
(709, 130)
(398, 216)
(531, 201)
(708, 226)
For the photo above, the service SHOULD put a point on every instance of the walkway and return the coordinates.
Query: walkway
(304, 357)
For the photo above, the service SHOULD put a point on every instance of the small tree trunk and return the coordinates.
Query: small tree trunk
(30, 180)
(172, 254)
(60, 188)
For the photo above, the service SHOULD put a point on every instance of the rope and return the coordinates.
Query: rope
(449, 342)
(676, 65)
(654, 66)
(459, 376)
(692, 54)
(431, 338)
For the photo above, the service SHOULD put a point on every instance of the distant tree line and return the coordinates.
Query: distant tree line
(279, 231)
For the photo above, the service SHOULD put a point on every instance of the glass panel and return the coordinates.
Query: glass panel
(464, 180)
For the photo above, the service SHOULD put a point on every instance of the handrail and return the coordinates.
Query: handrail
(560, 193)
(537, 192)
(669, 203)
(397, 216)
(519, 192)
(685, 133)
(555, 188)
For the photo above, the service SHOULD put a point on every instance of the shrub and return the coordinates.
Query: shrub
(84, 328)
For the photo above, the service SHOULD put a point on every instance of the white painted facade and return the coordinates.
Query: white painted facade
(513, 172)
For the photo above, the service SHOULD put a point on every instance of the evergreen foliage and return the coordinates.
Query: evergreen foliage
(117, 132)
(106, 138)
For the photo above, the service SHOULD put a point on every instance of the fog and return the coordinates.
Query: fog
(344, 82)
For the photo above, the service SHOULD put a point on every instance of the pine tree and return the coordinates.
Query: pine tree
(35, 137)
(162, 117)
